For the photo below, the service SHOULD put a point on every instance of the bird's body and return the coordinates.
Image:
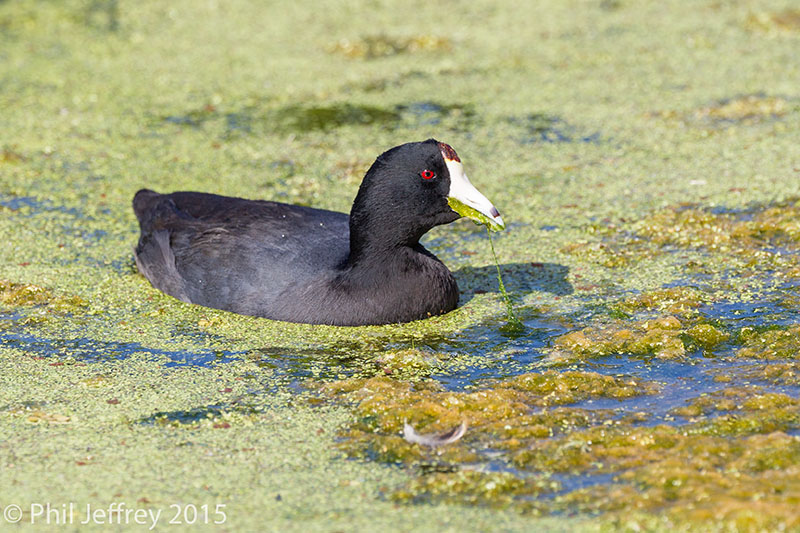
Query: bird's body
(300, 264)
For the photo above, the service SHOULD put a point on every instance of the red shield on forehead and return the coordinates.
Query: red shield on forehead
(448, 152)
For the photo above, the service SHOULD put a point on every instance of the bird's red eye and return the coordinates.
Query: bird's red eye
(427, 174)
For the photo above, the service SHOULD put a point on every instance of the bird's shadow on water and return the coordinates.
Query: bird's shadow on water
(518, 279)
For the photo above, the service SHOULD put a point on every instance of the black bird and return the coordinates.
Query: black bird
(299, 264)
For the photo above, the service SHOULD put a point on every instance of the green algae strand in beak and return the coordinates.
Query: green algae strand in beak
(473, 214)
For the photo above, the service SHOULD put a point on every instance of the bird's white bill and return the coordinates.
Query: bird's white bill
(467, 201)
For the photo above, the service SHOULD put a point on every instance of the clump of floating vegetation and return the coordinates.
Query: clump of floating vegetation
(785, 21)
(744, 109)
(509, 410)
(498, 489)
(14, 294)
(747, 108)
(756, 237)
(732, 450)
(681, 301)
(732, 232)
(665, 337)
(212, 416)
(770, 344)
(775, 373)
(374, 46)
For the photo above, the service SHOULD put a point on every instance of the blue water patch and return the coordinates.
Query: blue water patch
(91, 350)
(36, 205)
(680, 381)
(550, 129)
(16, 203)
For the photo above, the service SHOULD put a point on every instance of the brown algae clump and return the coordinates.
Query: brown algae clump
(752, 107)
(694, 227)
(733, 450)
(560, 388)
(373, 46)
(776, 373)
(758, 236)
(785, 21)
(730, 399)
(665, 337)
(713, 468)
(770, 344)
(747, 484)
(507, 409)
(497, 489)
(18, 294)
(26, 294)
(707, 336)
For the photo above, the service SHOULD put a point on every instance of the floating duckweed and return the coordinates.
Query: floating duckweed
(408, 363)
(607, 254)
(351, 170)
(674, 300)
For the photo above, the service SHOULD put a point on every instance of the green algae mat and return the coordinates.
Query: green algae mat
(644, 156)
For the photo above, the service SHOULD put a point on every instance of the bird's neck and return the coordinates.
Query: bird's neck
(375, 234)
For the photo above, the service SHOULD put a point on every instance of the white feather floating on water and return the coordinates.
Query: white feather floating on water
(432, 439)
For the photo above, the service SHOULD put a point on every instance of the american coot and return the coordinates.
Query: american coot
(298, 264)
